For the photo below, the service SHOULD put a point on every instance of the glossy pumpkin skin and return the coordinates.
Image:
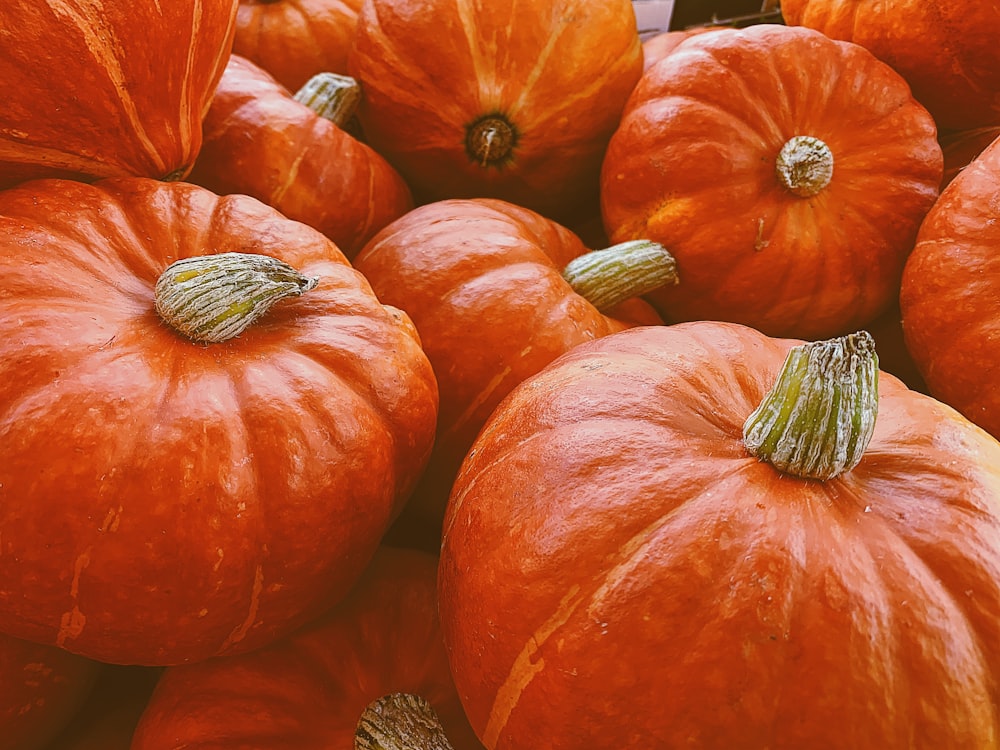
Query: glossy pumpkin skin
(946, 50)
(41, 689)
(692, 166)
(309, 690)
(260, 141)
(294, 40)
(482, 281)
(108, 89)
(950, 294)
(559, 75)
(616, 562)
(163, 501)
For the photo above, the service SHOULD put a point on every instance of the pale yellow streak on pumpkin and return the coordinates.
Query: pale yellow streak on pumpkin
(11, 149)
(481, 398)
(72, 623)
(483, 64)
(525, 668)
(240, 632)
(110, 63)
(541, 65)
(185, 102)
(290, 176)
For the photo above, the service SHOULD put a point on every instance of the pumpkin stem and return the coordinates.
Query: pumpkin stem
(400, 722)
(612, 275)
(490, 141)
(330, 95)
(817, 420)
(213, 298)
(804, 165)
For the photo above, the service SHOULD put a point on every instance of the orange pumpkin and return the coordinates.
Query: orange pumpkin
(786, 172)
(500, 99)
(107, 89)
(634, 551)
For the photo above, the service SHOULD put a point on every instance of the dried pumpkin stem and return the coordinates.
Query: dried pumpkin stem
(804, 165)
(400, 721)
(213, 298)
(330, 95)
(817, 420)
(490, 141)
(629, 269)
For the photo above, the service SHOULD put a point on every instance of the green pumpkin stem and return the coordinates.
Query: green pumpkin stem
(330, 95)
(612, 275)
(213, 298)
(400, 722)
(817, 420)
(804, 166)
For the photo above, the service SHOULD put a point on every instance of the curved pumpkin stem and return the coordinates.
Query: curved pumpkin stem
(332, 96)
(629, 269)
(213, 298)
(400, 721)
(804, 165)
(817, 420)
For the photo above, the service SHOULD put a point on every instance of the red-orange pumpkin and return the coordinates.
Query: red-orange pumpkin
(260, 141)
(41, 690)
(164, 499)
(106, 89)
(482, 280)
(294, 40)
(946, 50)
(499, 98)
(310, 689)
(950, 293)
(618, 564)
(786, 172)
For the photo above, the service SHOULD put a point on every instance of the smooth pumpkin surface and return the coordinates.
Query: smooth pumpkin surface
(946, 50)
(294, 40)
(194, 499)
(496, 98)
(310, 689)
(694, 166)
(950, 293)
(260, 141)
(481, 279)
(108, 89)
(617, 563)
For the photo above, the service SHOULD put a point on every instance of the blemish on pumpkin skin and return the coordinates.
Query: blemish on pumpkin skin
(240, 632)
(71, 624)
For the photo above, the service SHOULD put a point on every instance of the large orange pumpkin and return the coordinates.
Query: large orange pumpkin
(106, 89)
(172, 488)
(623, 559)
(496, 98)
(786, 172)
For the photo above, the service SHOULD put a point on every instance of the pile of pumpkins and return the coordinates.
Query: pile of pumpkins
(427, 374)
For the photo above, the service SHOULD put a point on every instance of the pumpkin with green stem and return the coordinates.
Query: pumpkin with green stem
(207, 420)
(497, 291)
(699, 536)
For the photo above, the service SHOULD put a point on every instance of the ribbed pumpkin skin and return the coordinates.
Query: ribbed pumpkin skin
(309, 690)
(294, 40)
(945, 49)
(163, 501)
(950, 293)
(259, 141)
(559, 71)
(617, 565)
(41, 690)
(482, 281)
(108, 89)
(692, 166)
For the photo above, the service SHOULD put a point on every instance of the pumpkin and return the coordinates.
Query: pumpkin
(662, 44)
(310, 689)
(962, 146)
(261, 140)
(41, 689)
(950, 294)
(484, 282)
(207, 420)
(946, 50)
(700, 536)
(293, 40)
(786, 172)
(466, 102)
(108, 89)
